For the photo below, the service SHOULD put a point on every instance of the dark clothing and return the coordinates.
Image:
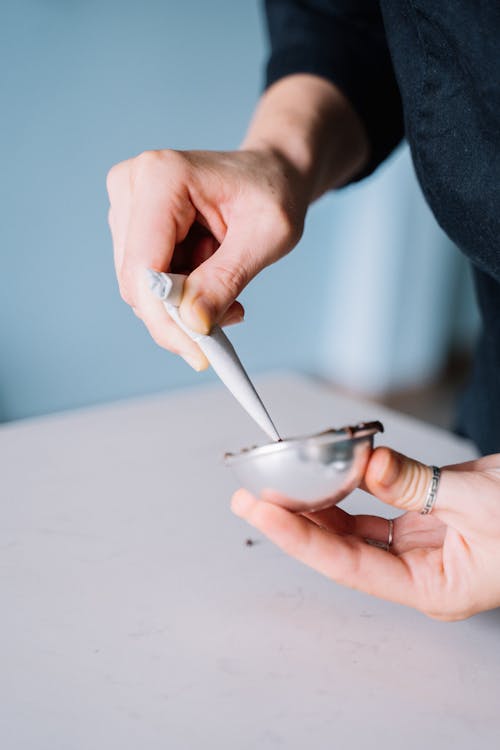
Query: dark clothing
(429, 71)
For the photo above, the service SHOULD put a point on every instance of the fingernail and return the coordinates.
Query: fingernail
(232, 320)
(197, 361)
(391, 471)
(198, 315)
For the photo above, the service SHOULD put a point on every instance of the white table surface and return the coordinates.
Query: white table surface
(133, 615)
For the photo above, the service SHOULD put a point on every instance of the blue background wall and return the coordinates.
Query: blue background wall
(88, 83)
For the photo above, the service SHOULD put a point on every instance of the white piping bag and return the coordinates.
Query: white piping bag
(218, 350)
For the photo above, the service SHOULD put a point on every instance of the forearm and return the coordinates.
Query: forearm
(308, 122)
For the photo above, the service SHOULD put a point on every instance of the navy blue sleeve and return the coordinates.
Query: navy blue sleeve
(343, 41)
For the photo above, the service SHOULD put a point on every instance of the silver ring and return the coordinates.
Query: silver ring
(390, 535)
(430, 500)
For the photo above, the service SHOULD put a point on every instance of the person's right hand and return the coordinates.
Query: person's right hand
(219, 217)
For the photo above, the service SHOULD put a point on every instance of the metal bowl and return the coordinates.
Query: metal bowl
(307, 473)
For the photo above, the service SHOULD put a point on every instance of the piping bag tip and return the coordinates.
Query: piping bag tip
(217, 349)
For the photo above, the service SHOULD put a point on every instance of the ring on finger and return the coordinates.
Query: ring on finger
(430, 500)
(390, 538)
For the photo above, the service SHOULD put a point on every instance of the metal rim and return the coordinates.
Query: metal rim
(355, 433)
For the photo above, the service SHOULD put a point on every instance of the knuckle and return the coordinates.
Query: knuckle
(168, 342)
(350, 571)
(168, 335)
(147, 160)
(112, 179)
(125, 293)
(150, 162)
(126, 288)
(232, 279)
(159, 339)
(144, 165)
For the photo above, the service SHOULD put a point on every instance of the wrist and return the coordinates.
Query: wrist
(308, 123)
(292, 157)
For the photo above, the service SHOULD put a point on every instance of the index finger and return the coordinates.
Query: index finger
(158, 219)
(345, 559)
(160, 216)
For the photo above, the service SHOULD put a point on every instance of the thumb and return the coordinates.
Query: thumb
(397, 479)
(212, 287)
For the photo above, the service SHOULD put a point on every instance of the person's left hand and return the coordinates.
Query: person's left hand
(446, 564)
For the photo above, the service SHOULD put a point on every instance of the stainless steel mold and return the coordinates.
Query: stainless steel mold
(307, 473)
